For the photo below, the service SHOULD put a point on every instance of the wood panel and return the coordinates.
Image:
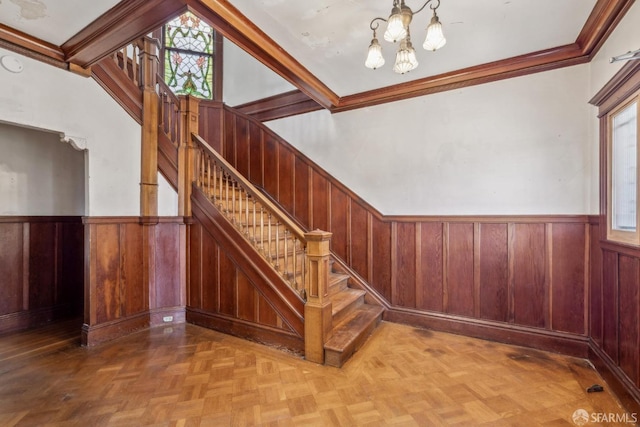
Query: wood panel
(340, 223)
(595, 286)
(568, 278)
(320, 202)
(629, 320)
(430, 292)
(11, 266)
(41, 265)
(270, 167)
(242, 136)
(404, 266)
(460, 281)
(610, 305)
(255, 155)
(530, 294)
(301, 192)
(209, 266)
(286, 178)
(134, 275)
(494, 292)
(380, 277)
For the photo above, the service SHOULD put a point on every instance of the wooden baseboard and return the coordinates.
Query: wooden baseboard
(557, 342)
(96, 334)
(624, 389)
(251, 331)
(23, 320)
(160, 316)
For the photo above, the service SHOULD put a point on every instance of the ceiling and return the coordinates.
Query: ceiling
(320, 45)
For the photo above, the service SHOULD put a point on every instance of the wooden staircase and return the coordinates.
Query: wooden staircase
(130, 77)
(259, 221)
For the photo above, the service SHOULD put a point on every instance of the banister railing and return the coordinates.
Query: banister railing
(169, 120)
(127, 59)
(276, 237)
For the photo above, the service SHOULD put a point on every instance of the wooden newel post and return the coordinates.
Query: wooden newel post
(317, 310)
(150, 104)
(189, 107)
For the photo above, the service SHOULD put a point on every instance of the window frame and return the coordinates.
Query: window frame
(617, 235)
(217, 58)
(614, 96)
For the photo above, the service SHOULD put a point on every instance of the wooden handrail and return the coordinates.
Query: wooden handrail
(251, 189)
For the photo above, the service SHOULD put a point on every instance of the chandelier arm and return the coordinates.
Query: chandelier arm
(377, 23)
(430, 7)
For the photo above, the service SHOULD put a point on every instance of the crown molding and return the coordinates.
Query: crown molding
(530, 63)
(604, 17)
(31, 47)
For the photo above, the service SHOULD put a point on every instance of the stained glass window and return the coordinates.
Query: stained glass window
(189, 55)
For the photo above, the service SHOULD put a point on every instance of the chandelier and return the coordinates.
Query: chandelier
(398, 31)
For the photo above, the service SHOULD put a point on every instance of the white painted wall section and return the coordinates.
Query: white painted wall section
(39, 174)
(45, 97)
(517, 146)
(246, 79)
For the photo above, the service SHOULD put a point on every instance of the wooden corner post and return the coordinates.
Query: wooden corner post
(189, 106)
(317, 310)
(150, 103)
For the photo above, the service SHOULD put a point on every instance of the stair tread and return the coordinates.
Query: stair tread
(349, 330)
(337, 282)
(344, 298)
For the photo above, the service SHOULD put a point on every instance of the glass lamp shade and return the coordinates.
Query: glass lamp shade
(395, 26)
(435, 38)
(405, 59)
(374, 56)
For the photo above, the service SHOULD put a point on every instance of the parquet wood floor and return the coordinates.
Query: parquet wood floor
(189, 376)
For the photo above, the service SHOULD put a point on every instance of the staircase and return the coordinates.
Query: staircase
(278, 239)
(345, 313)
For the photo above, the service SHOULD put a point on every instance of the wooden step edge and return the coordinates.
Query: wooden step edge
(337, 282)
(351, 334)
(343, 301)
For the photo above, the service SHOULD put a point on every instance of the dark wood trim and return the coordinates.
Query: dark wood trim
(31, 47)
(111, 220)
(279, 106)
(604, 17)
(541, 339)
(97, 334)
(125, 22)
(627, 392)
(530, 63)
(36, 219)
(624, 83)
(251, 331)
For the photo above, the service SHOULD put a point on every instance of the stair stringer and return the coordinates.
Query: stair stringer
(288, 332)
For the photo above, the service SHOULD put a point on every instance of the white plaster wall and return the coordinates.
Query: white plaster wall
(39, 174)
(625, 38)
(517, 146)
(44, 97)
(246, 79)
(167, 198)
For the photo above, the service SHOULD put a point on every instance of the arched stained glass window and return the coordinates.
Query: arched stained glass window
(189, 56)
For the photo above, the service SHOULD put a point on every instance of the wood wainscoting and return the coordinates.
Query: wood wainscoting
(40, 270)
(135, 275)
(516, 279)
(615, 315)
